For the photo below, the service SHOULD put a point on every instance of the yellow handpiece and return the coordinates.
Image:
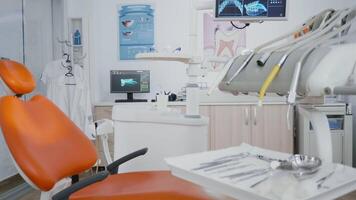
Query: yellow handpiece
(268, 82)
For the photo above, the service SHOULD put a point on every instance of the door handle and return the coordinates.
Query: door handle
(247, 116)
(255, 116)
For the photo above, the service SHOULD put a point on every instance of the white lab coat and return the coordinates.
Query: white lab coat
(73, 99)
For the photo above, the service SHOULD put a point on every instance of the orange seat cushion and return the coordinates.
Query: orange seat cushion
(17, 77)
(159, 185)
(45, 144)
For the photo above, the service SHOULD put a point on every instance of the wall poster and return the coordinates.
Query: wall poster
(136, 29)
(221, 39)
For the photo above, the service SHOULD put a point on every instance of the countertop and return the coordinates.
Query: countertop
(211, 101)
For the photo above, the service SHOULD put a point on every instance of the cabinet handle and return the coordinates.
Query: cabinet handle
(255, 116)
(246, 116)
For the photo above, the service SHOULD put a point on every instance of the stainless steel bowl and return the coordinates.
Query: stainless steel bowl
(304, 166)
(305, 162)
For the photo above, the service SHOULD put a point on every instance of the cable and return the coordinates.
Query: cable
(240, 28)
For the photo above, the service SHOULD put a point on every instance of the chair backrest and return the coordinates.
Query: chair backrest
(17, 77)
(45, 144)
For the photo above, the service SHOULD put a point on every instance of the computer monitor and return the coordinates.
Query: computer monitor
(130, 82)
(251, 10)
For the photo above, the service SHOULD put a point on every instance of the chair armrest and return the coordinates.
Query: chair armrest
(113, 168)
(65, 194)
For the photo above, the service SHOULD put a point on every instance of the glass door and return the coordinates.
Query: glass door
(11, 47)
(26, 37)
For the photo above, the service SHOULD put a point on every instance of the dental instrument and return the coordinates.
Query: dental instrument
(276, 69)
(258, 174)
(266, 56)
(267, 159)
(246, 173)
(309, 29)
(221, 75)
(258, 49)
(321, 181)
(222, 166)
(220, 162)
(259, 182)
(231, 169)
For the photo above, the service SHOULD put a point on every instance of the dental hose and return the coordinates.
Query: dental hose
(268, 52)
(258, 49)
(252, 54)
(268, 81)
(277, 68)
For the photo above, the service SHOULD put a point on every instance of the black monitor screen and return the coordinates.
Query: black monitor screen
(130, 81)
(251, 9)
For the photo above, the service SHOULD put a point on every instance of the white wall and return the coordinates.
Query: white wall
(11, 37)
(58, 17)
(172, 29)
(38, 37)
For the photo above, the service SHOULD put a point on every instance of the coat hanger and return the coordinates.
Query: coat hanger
(68, 65)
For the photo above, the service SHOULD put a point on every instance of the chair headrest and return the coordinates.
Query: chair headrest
(16, 77)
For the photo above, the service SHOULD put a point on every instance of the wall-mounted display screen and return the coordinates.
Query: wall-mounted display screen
(242, 10)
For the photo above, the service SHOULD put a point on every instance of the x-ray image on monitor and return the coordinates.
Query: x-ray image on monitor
(130, 81)
(230, 8)
(255, 8)
(251, 9)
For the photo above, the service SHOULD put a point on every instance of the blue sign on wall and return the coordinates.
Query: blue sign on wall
(136, 30)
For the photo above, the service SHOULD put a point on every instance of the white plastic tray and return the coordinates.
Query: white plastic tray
(280, 185)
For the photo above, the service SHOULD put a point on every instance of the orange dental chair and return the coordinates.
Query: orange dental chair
(47, 147)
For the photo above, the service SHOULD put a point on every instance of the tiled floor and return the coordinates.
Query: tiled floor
(10, 183)
(35, 195)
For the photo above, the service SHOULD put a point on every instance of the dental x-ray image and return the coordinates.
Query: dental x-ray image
(128, 82)
(242, 8)
(230, 7)
(255, 8)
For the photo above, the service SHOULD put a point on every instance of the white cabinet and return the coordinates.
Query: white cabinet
(270, 129)
(265, 127)
(231, 125)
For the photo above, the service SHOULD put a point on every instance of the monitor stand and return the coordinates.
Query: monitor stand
(130, 99)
